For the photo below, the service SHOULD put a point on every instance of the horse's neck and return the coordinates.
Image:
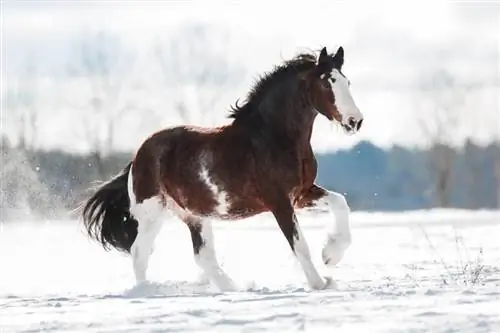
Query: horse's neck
(294, 127)
(286, 115)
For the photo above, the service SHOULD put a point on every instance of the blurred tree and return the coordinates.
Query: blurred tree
(497, 171)
(197, 69)
(102, 60)
(495, 122)
(474, 174)
(21, 102)
(440, 97)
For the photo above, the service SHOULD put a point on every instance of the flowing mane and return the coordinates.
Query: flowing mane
(301, 62)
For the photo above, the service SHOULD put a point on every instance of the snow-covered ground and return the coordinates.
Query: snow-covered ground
(405, 272)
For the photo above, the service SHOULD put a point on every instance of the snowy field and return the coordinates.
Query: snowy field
(436, 271)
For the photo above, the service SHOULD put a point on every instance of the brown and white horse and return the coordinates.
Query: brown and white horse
(261, 162)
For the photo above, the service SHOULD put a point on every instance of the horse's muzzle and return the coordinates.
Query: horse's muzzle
(352, 125)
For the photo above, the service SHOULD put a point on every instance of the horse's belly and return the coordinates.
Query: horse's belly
(225, 206)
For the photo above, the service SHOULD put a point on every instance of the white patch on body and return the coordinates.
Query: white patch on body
(343, 99)
(130, 188)
(206, 259)
(339, 233)
(170, 204)
(220, 196)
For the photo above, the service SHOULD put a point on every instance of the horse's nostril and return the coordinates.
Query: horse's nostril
(359, 124)
(351, 122)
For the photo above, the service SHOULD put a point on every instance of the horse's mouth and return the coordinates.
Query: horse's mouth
(349, 130)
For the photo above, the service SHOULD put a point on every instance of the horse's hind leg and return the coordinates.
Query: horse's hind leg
(204, 252)
(339, 233)
(148, 214)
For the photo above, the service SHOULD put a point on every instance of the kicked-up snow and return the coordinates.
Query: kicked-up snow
(426, 271)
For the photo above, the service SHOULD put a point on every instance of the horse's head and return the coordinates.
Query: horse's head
(330, 92)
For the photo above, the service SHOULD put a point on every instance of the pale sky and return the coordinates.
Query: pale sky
(389, 47)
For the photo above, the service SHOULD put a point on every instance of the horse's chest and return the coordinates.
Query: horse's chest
(309, 170)
(298, 172)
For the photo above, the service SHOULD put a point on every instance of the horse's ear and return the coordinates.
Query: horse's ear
(338, 59)
(323, 54)
(325, 62)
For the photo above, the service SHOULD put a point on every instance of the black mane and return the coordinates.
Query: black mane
(298, 64)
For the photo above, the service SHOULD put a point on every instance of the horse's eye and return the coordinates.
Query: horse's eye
(333, 79)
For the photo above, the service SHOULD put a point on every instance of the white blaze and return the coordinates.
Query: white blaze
(343, 98)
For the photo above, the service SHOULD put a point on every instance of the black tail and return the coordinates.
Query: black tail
(106, 214)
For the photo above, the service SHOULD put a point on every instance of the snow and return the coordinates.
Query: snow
(403, 273)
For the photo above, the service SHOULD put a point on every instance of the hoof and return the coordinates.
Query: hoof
(228, 288)
(326, 283)
(203, 279)
(226, 285)
(334, 249)
(331, 260)
(330, 283)
(141, 282)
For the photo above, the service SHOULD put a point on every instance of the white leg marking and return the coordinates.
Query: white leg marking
(206, 259)
(149, 216)
(303, 255)
(339, 236)
(219, 194)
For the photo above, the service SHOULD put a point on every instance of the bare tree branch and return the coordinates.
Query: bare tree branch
(105, 64)
(195, 69)
(440, 101)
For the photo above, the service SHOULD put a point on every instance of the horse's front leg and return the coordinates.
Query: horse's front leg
(287, 221)
(339, 231)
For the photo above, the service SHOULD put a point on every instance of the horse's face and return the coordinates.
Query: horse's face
(331, 95)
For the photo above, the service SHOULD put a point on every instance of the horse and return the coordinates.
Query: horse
(262, 161)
